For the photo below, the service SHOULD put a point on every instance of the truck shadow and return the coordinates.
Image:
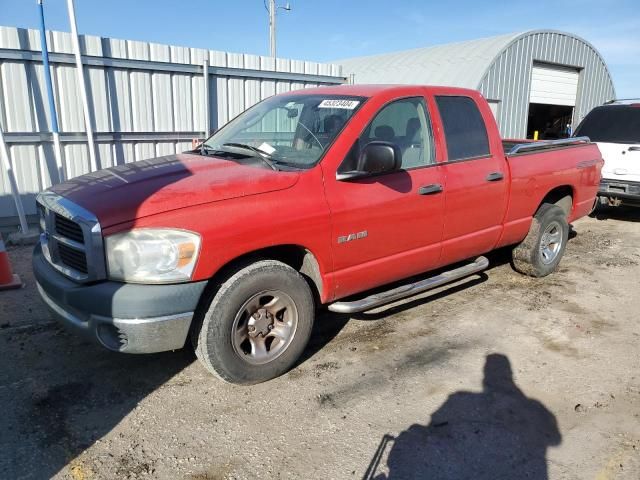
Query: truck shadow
(328, 324)
(498, 433)
(497, 258)
(61, 395)
(409, 303)
(622, 213)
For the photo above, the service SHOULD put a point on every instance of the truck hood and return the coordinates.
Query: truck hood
(148, 187)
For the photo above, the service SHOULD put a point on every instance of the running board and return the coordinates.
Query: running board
(411, 289)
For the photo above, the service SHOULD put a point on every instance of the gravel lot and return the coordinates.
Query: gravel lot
(498, 376)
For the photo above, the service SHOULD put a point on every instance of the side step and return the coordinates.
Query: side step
(411, 289)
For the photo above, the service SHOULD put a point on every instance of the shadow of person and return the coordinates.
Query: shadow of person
(498, 433)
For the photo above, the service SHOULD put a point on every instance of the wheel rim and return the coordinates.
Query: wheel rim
(264, 326)
(551, 242)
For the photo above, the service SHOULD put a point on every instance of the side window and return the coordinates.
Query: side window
(464, 128)
(406, 123)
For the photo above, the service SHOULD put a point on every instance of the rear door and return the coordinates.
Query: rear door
(476, 180)
(388, 227)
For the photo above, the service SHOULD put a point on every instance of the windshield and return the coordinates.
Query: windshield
(612, 124)
(292, 130)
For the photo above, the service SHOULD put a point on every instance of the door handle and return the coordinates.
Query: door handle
(495, 177)
(634, 149)
(430, 189)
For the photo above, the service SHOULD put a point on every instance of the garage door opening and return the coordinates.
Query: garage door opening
(550, 121)
(554, 89)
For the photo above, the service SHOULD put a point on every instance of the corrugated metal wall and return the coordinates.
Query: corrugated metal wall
(509, 77)
(146, 99)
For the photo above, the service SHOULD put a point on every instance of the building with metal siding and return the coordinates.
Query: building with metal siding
(571, 76)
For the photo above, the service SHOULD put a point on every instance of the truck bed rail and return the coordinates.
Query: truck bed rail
(546, 144)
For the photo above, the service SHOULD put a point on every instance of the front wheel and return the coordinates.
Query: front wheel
(541, 251)
(257, 324)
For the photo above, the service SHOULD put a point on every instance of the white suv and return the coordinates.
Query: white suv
(615, 127)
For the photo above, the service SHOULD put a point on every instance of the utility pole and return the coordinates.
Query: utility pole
(57, 149)
(272, 24)
(272, 28)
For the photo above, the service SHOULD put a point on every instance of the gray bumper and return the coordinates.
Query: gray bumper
(122, 317)
(620, 189)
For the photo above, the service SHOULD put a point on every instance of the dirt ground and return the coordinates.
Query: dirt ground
(498, 376)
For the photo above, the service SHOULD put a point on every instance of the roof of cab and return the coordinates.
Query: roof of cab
(369, 90)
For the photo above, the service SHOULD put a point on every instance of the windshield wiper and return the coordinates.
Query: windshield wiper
(204, 150)
(261, 153)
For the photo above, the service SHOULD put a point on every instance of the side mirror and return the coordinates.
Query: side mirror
(375, 158)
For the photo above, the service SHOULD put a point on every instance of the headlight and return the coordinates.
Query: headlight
(152, 255)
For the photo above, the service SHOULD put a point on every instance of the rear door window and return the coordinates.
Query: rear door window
(611, 124)
(464, 129)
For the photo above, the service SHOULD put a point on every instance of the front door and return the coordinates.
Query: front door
(389, 224)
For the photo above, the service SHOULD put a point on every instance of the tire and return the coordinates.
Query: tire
(270, 307)
(530, 257)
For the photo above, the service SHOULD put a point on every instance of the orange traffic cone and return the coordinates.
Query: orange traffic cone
(7, 278)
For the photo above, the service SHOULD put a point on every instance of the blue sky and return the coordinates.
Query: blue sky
(325, 30)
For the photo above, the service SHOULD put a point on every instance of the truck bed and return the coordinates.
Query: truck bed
(538, 167)
(518, 147)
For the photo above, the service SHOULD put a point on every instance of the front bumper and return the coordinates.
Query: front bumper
(122, 317)
(624, 190)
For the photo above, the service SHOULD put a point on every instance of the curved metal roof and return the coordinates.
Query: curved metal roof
(460, 64)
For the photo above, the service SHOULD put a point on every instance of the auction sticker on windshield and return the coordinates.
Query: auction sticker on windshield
(265, 147)
(338, 103)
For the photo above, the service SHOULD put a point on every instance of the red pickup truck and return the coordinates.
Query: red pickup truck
(309, 198)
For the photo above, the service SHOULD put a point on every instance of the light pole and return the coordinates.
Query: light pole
(272, 24)
(57, 149)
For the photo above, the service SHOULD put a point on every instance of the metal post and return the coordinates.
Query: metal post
(83, 89)
(207, 115)
(57, 150)
(6, 163)
(272, 27)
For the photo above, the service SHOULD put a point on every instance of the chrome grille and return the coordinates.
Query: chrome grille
(68, 228)
(73, 258)
(71, 239)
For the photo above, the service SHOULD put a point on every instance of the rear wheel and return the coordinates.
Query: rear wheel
(257, 324)
(541, 251)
